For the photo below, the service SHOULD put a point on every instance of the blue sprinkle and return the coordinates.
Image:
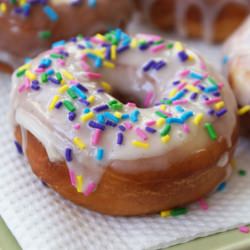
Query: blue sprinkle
(186, 115)
(179, 95)
(225, 60)
(86, 110)
(221, 187)
(211, 89)
(174, 120)
(18, 148)
(50, 72)
(134, 115)
(125, 116)
(79, 92)
(111, 117)
(195, 75)
(99, 154)
(52, 15)
(98, 62)
(179, 109)
(58, 44)
(100, 118)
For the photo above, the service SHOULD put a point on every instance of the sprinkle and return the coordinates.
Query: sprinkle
(87, 117)
(31, 76)
(178, 211)
(79, 143)
(71, 93)
(63, 89)
(211, 132)
(141, 134)
(148, 99)
(160, 122)
(111, 117)
(101, 108)
(219, 105)
(183, 56)
(91, 99)
(72, 178)
(18, 148)
(149, 65)
(134, 115)
(244, 229)
(165, 213)
(99, 154)
(79, 183)
(221, 187)
(157, 48)
(165, 139)
(52, 15)
(128, 125)
(77, 126)
(90, 189)
(185, 128)
(94, 124)
(119, 138)
(245, 109)
(106, 86)
(212, 100)
(165, 130)
(203, 204)
(185, 116)
(68, 154)
(69, 105)
(221, 112)
(67, 74)
(44, 35)
(198, 118)
(139, 144)
(53, 102)
(150, 130)
(242, 172)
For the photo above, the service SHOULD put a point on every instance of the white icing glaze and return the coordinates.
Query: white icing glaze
(210, 9)
(55, 131)
(223, 161)
(237, 53)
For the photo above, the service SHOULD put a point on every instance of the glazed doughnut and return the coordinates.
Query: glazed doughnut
(236, 62)
(30, 26)
(125, 125)
(213, 20)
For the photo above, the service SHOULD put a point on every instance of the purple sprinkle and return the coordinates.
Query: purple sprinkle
(19, 148)
(119, 138)
(176, 82)
(160, 65)
(83, 101)
(68, 154)
(94, 124)
(101, 108)
(193, 96)
(216, 94)
(107, 53)
(100, 90)
(211, 112)
(81, 87)
(35, 85)
(122, 49)
(122, 128)
(64, 53)
(150, 130)
(73, 39)
(148, 66)
(58, 105)
(201, 87)
(53, 80)
(80, 46)
(72, 116)
(221, 112)
(145, 46)
(110, 123)
(183, 56)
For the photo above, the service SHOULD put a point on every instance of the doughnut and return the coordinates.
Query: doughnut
(35, 24)
(236, 63)
(124, 125)
(212, 20)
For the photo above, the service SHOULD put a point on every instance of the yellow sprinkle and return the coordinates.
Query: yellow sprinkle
(67, 74)
(63, 89)
(79, 143)
(160, 122)
(108, 64)
(192, 88)
(244, 110)
(133, 43)
(107, 87)
(25, 66)
(22, 2)
(165, 139)
(87, 116)
(172, 93)
(190, 57)
(3, 7)
(113, 52)
(62, 82)
(163, 107)
(91, 99)
(197, 119)
(179, 46)
(219, 105)
(165, 213)
(118, 114)
(101, 37)
(139, 144)
(53, 102)
(31, 76)
(79, 183)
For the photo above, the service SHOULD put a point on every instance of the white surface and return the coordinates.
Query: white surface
(40, 219)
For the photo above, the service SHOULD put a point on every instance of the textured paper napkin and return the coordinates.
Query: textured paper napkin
(41, 219)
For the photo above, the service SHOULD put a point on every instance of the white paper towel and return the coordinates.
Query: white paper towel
(41, 219)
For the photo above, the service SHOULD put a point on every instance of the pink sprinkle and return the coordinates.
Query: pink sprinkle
(220, 85)
(211, 101)
(77, 126)
(131, 104)
(73, 82)
(39, 70)
(96, 40)
(203, 65)
(128, 125)
(244, 229)
(96, 137)
(182, 101)
(92, 75)
(184, 72)
(90, 189)
(149, 37)
(27, 83)
(72, 177)
(148, 99)
(185, 128)
(141, 134)
(203, 204)
(181, 86)
(61, 62)
(157, 48)
(57, 49)
(150, 123)
(85, 66)
(21, 88)
(196, 82)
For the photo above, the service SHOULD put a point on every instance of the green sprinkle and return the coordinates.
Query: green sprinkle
(44, 35)
(55, 56)
(211, 80)
(71, 93)
(112, 102)
(44, 77)
(170, 45)
(178, 211)
(79, 36)
(69, 105)
(211, 132)
(159, 42)
(115, 105)
(20, 72)
(159, 113)
(58, 76)
(165, 130)
(242, 172)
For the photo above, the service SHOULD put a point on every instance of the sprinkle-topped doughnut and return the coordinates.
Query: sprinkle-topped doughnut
(138, 107)
(35, 24)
